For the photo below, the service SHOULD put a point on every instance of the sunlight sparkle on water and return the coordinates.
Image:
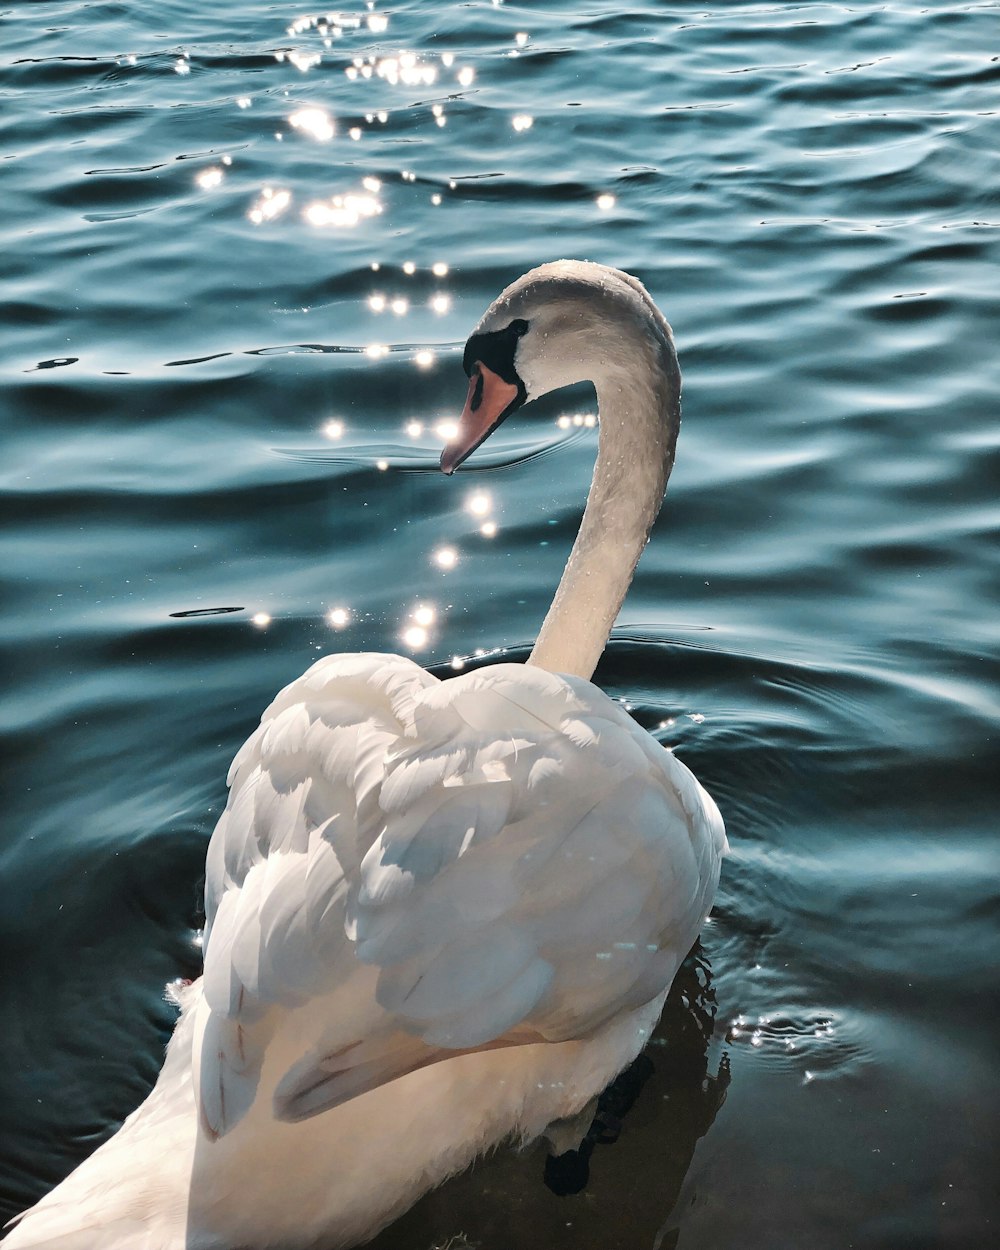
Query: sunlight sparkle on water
(488, 529)
(315, 122)
(446, 557)
(479, 504)
(381, 465)
(405, 68)
(209, 178)
(424, 359)
(342, 210)
(606, 202)
(261, 620)
(334, 429)
(522, 121)
(446, 430)
(376, 303)
(414, 429)
(399, 306)
(270, 205)
(338, 618)
(440, 303)
(439, 269)
(415, 637)
(303, 61)
(409, 267)
(466, 76)
(376, 350)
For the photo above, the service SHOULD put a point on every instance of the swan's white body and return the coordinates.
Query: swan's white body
(439, 914)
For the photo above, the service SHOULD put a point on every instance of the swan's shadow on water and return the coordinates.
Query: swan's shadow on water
(648, 1123)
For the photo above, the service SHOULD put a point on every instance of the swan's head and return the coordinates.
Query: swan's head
(564, 322)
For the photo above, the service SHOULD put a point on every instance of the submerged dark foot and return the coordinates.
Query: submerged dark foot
(569, 1172)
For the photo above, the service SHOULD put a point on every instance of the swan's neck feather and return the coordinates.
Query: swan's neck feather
(638, 391)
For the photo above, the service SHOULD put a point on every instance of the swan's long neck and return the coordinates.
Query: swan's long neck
(639, 408)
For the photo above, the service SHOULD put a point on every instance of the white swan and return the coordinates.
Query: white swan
(438, 914)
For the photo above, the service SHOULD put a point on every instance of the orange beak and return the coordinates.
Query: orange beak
(489, 400)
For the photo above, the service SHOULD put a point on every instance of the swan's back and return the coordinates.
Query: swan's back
(443, 865)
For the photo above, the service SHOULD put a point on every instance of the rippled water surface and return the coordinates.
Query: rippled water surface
(226, 349)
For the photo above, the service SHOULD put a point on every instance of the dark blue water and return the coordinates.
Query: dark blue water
(210, 216)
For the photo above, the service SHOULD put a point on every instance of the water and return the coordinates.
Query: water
(809, 191)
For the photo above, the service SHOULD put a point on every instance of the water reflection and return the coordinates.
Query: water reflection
(647, 1125)
(674, 1067)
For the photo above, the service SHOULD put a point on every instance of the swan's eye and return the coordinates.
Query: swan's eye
(496, 350)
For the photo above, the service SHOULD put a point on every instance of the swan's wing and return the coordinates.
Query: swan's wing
(303, 809)
(544, 864)
(416, 868)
